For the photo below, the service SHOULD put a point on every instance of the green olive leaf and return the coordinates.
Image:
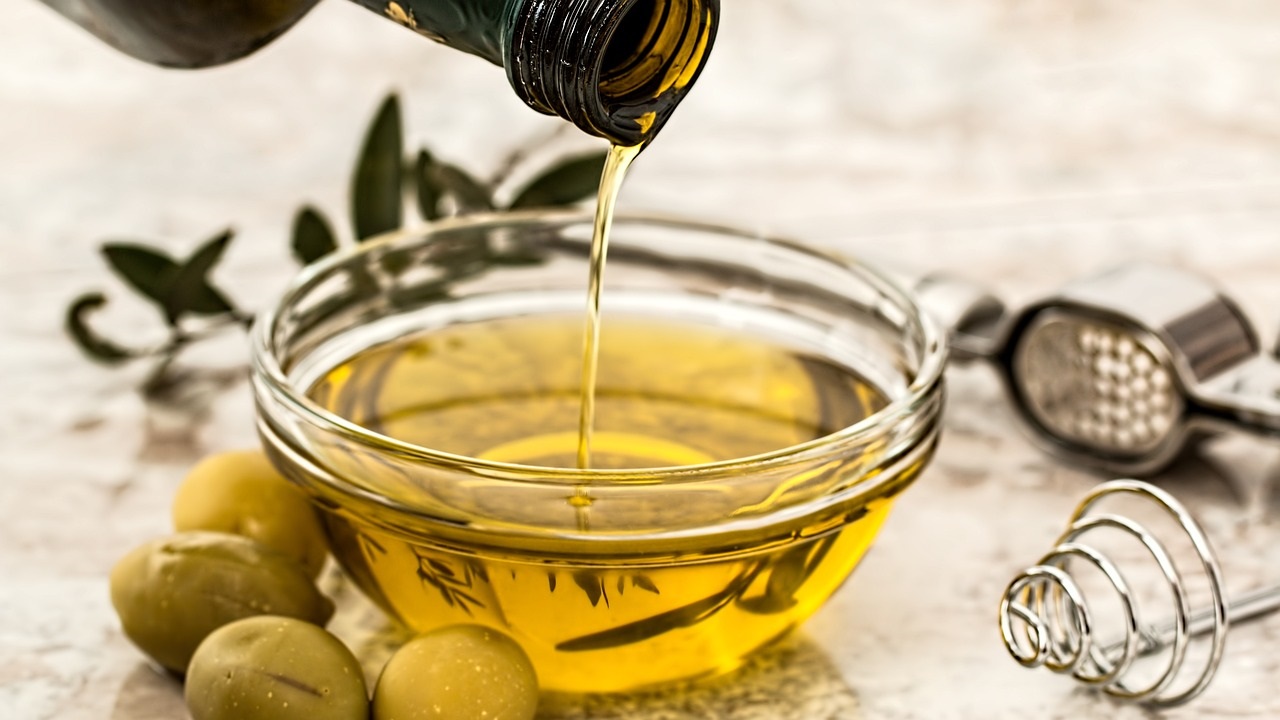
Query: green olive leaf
(570, 181)
(465, 255)
(453, 591)
(94, 346)
(644, 583)
(312, 236)
(373, 545)
(469, 193)
(519, 257)
(592, 585)
(786, 575)
(177, 289)
(376, 201)
(653, 626)
(146, 269)
(523, 250)
(190, 290)
(473, 569)
(396, 262)
(428, 189)
(648, 628)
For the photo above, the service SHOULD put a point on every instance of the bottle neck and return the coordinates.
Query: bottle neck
(614, 68)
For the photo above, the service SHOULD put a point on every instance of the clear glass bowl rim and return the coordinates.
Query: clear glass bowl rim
(926, 382)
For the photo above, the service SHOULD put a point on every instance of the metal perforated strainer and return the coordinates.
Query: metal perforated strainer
(1120, 370)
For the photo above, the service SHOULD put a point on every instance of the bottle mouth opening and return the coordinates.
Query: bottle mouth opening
(615, 69)
(652, 55)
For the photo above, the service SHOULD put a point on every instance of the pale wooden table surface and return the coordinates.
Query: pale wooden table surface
(1019, 143)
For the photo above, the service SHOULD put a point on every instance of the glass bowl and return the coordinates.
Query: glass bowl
(612, 579)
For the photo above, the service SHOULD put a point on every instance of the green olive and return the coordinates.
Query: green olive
(241, 493)
(275, 668)
(171, 593)
(458, 672)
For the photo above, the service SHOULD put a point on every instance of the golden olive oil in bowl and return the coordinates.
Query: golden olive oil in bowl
(758, 405)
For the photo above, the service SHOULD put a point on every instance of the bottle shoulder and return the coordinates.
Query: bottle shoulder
(188, 34)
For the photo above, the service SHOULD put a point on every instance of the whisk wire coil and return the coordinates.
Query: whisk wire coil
(1046, 620)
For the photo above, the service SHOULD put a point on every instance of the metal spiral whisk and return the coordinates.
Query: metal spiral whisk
(1046, 621)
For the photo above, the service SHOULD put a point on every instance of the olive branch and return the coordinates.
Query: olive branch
(386, 178)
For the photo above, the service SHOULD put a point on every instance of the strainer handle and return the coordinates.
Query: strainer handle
(971, 314)
(1247, 396)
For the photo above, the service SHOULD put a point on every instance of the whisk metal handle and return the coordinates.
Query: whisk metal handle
(1242, 609)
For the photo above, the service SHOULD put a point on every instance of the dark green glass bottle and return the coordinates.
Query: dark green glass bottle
(615, 68)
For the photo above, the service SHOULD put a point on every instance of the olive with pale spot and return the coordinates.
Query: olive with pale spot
(459, 672)
(275, 668)
(240, 492)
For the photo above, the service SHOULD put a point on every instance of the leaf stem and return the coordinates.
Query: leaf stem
(517, 157)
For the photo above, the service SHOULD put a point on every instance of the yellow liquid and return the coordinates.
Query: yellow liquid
(668, 393)
(615, 171)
